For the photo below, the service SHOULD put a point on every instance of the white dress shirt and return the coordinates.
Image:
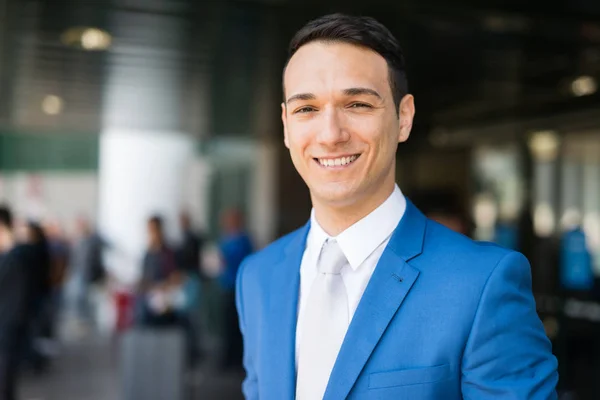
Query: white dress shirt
(362, 244)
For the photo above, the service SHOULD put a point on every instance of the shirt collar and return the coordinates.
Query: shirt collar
(316, 238)
(360, 240)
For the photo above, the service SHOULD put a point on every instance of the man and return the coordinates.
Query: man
(86, 269)
(159, 277)
(161, 296)
(14, 285)
(59, 260)
(188, 262)
(234, 247)
(371, 299)
(188, 254)
(39, 270)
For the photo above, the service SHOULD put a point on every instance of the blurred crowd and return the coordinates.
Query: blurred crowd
(49, 280)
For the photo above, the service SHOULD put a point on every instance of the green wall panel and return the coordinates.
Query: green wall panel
(51, 151)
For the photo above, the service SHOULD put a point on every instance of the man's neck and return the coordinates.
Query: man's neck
(336, 219)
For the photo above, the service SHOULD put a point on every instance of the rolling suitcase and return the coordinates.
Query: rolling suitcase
(153, 364)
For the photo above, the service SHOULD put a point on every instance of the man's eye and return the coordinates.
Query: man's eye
(360, 105)
(304, 110)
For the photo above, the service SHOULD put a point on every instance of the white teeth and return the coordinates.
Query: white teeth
(329, 162)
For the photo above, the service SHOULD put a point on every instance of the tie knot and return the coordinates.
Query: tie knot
(332, 259)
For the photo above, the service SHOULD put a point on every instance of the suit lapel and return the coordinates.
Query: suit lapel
(281, 321)
(391, 281)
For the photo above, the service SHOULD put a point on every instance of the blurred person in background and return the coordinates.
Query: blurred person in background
(371, 298)
(14, 304)
(59, 260)
(234, 247)
(189, 262)
(7, 235)
(59, 253)
(163, 291)
(159, 274)
(39, 294)
(86, 270)
(189, 252)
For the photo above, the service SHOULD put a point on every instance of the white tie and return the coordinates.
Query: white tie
(326, 323)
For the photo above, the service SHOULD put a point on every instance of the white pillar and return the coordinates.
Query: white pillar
(141, 174)
(145, 155)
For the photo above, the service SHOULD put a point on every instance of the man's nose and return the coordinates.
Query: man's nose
(332, 131)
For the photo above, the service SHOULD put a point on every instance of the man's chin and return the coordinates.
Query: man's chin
(334, 197)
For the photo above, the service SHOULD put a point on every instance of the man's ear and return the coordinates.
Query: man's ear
(286, 139)
(406, 115)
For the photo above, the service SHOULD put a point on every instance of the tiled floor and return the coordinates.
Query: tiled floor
(83, 371)
(87, 370)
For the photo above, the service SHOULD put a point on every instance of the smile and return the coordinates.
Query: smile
(337, 162)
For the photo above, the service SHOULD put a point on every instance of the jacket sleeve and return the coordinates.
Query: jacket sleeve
(508, 354)
(250, 383)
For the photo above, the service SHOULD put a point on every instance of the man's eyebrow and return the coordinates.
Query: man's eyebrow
(301, 96)
(357, 91)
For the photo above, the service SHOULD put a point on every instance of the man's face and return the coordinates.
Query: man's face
(185, 221)
(340, 122)
(83, 227)
(6, 239)
(154, 234)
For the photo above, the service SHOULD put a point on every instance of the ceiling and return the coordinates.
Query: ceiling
(467, 63)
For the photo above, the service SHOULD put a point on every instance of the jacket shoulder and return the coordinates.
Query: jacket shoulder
(271, 254)
(476, 256)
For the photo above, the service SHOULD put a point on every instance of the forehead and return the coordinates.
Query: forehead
(322, 66)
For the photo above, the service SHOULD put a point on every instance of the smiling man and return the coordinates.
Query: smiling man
(370, 299)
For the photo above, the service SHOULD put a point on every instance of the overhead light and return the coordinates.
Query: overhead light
(544, 145)
(52, 105)
(95, 39)
(87, 38)
(584, 86)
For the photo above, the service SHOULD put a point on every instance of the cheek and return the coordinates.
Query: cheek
(387, 138)
(297, 147)
(370, 134)
(299, 138)
(382, 147)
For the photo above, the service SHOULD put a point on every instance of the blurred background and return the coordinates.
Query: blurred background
(141, 158)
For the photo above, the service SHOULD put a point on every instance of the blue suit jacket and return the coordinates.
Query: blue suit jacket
(443, 317)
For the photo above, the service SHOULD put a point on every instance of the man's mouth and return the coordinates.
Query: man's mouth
(337, 162)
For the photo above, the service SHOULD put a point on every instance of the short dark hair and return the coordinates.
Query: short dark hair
(359, 31)
(157, 221)
(6, 217)
(37, 232)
